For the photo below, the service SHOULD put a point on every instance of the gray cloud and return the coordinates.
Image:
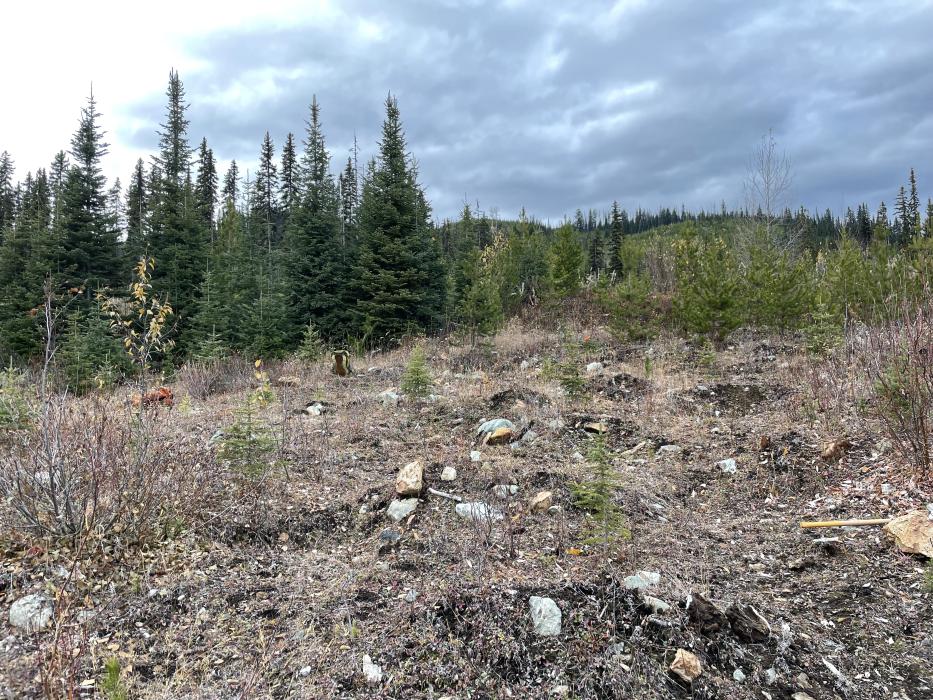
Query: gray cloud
(533, 104)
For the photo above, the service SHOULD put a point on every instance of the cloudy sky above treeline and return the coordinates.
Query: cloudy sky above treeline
(541, 104)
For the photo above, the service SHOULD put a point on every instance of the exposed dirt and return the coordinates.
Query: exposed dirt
(282, 598)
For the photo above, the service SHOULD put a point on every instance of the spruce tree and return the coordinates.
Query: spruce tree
(480, 306)
(7, 193)
(567, 262)
(290, 180)
(399, 277)
(22, 270)
(264, 211)
(349, 193)
(912, 222)
(206, 186)
(137, 205)
(177, 234)
(228, 288)
(90, 257)
(316, 260)
(231, 187)
(864, 229)
(902, 217)
(616, 232)
(928, 224)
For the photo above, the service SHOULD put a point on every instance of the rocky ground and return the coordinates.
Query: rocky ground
(307, 588)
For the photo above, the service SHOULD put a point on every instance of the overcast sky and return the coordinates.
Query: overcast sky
(518, 103)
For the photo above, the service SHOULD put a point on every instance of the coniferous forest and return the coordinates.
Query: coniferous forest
(349, 254)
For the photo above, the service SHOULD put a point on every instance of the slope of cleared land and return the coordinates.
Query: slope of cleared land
(282, 591)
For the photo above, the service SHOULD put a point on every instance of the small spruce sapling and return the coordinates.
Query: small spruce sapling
(568, 372)
(312, 346)
(597, 497)
(112, 684)
(417, 382)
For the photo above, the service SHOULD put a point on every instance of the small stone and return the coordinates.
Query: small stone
(577, 457)
(835, 450)
(389, 398)
(727, 466)
(401, 509)
(554, 510)
(560, 691)
(305, 672)
(495, 424)
(541, 501)
(449, 474)
(594, 367)
(545, 616)
(596, 428)
(501, 491)
(410, 479)
(477, 512)
(670, 450)
(31, 613)
(657, 605)
(411, 596)
(315, 409)
(371, 672)
(770, 676)
(642, 580)
(801, 696)
(738, 675)
(686, 666)
(529, 437)
(803, 680)
(390, 536)
(524, 366)
(476, 456)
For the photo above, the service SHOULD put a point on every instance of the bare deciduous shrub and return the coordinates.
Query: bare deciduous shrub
(898, 359)
(208, 377)
(85, 467)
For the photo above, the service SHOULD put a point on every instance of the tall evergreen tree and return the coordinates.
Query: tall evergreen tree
(567, 261)
(264, 199)
(912, 222)
(7, 193)
(90, 256)
(290, 181)
(616, 232)
(928, 224)
(349, 193)
(231, 188)
(902, 217)
(399, 278)
(177, 234)
(864, 229)
(23, 269)
(206, 186)
(316, 259)
(136, 217)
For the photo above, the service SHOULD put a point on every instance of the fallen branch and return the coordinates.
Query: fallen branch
(844, 523)
(443, 494)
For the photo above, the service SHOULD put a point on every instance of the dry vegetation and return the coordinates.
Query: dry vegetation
(211, 582)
